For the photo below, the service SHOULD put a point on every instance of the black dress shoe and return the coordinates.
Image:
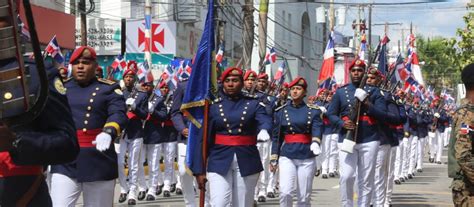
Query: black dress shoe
(397, 182)
(270, 195)
(261, 199)
(132, 202)
(431, 160)
(410, 176)
(122, 197)
(324, 176)
(413, 175)
(141, 195)
(173, 188)
(150, 197)
(402, 179)
(159, 189)
(179, 191)
(331, 175)
(419, 170)
(166, 194)
(318, 172)
(439, 162)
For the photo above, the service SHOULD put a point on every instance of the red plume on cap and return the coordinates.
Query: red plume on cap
(262, 76)
(129, 72)
(285, 85)
(358, 64)
(231, 71)
(78, 53)
(249, 73)
(300, 81)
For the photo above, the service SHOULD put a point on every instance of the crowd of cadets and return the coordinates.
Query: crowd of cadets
(265, 143)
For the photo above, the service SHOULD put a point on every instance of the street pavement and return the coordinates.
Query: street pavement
(429, 188)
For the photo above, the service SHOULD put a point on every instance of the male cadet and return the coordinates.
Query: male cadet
(400, 134)
(132, 139)
(47, 139)
(368, 136)
(460, 154)
(414, 122)
(330, 136)
(440, 117)
(98, 110)
(181, 124)
(153, 137)
(425, 121)
(249, 80)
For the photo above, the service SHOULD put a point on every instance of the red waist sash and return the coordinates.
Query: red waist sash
(365, 118)
(298, 138)
(85, 138)
(236, 140)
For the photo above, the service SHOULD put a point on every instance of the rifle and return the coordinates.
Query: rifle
(150, 98)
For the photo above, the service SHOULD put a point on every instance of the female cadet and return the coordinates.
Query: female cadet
(296, 139)
(234, 162)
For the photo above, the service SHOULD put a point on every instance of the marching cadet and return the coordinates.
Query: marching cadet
(132, 139)
(169, 141)
(234, 164)
(296, 138)
(460, 159)
(401, 134)
(249, 80)
(414, 122)
(46, 139)
(425, 121)
(367, 142)
(440, 117)
(329, 142)
(98, 110)
(153, 137)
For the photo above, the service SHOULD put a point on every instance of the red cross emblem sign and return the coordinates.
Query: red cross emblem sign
(157, 38)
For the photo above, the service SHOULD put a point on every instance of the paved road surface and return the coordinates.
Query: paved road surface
(430, 188)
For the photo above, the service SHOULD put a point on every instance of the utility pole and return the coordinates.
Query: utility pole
(82, 11)
(248, 33)
(357, 35)
(332, 18)
(221, 25)
(370, 33)
(262, 33)
(148, 41)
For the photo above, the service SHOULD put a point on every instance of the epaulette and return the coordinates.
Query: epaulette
(280, 107)
(109, 82)
(312, 106)
(247, 95)
(217, 100)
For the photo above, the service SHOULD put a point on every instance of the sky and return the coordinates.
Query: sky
(429, 19)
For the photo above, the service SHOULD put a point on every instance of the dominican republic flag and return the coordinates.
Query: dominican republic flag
(220, 54)
(465, 129)
(363, 47)
(383, 62)
(414, 65)
(54, 50)
(270, 57)
(185, 69)
(401, 72)
(327, 68)
(281, 71)
(119, 63)
(144, 73)
(411, 85)
(25, 32)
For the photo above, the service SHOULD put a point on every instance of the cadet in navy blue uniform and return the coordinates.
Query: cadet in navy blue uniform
(425, 121)
(153, 138)
(234, 162)
(440, 117)
(47, 139)
(249, 79)
(98, 110)
(363, 157)
(132, 139)
(296, 137)
(330, 136)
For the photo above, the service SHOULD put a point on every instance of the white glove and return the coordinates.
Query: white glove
(323, 109)
(263, 135)
(130, 101)
(102, 141)
(151, 107)
(315, 148)
(360, 94)
(437, 115)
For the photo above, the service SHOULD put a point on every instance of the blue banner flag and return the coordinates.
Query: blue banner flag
(197, 92)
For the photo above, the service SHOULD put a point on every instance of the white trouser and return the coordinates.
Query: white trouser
(413, 153)
(439, 145)
(398, 168)
(141, 170)
(421, 152)
(334, 156)
(152, 152)
(232, 189)
(65, 192)
(406, 156)
(447, 134)
(186, 179)
(390, 176)
(329, 147)
(361, 161)
(432, 144)
(381, 174)
(296, 174)
(272, 177)
(264, 151)
(168, 150)
(133, 147)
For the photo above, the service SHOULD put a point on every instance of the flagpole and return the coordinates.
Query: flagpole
(202, 193)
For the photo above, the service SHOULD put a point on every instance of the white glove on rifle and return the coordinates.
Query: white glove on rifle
(263, 135)
(360, 94)
(315, 148)
(437, 115)
(323, 109)
(102, 141)
(130, 102)
(151, 107)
